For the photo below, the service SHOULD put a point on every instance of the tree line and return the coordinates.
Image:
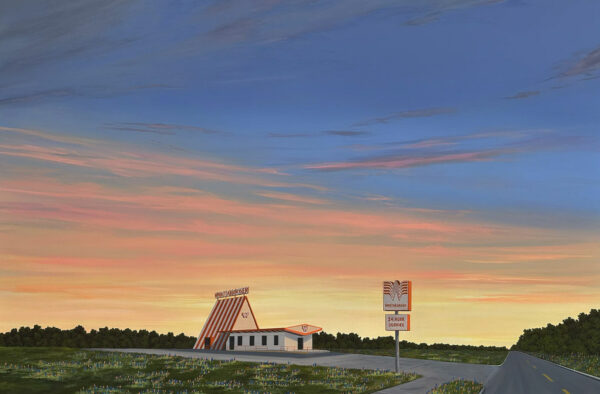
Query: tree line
(104, 337)
(570, 336)
(323, 340)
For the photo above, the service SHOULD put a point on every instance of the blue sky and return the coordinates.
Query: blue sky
(483, 110)
(293, 84)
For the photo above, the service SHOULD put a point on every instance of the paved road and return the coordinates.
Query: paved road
(433, 372)
(523, 374)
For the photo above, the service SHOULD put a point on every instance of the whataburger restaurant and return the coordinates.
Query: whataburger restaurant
(231, 325)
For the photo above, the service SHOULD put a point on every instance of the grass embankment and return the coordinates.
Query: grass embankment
(64, 370)
(587, 363)
(491, 357)
(458, 387)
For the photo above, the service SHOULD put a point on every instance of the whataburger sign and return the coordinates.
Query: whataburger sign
(232, 292)
(397, 295)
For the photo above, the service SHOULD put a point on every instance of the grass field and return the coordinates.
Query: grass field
(458, 387)
(63, 370)
(588, 363)
(491, 357)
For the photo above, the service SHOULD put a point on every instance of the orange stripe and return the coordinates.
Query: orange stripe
(223, 318)
(220, 327)
(228, 322)
(206, 323)
(410, 295)
(233, 317)
(225, 305)
(212, 320)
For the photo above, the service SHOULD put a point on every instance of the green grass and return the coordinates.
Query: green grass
(587, 363)
(458, 387)
(491, 357)
(63, 370)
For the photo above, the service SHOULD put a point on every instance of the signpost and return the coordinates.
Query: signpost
(397, 296)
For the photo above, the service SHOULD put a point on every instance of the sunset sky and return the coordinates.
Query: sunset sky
(152, 153)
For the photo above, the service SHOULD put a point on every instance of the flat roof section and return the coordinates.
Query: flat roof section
(301, 329)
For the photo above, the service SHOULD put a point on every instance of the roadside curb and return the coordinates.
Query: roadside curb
(495, 372)
(574, 370)
(562, 366)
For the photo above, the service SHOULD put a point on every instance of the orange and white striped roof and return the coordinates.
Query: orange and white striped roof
(222, 319)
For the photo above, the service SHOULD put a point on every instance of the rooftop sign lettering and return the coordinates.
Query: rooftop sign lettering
(232, 292)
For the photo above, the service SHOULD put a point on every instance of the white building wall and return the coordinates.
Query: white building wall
(291, 341)
(287, 341)
(308, 342)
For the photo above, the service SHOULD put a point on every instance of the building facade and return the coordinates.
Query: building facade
(231, 325)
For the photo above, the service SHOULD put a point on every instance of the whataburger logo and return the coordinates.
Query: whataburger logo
(244, 314)
(305, 327)
(395, 289)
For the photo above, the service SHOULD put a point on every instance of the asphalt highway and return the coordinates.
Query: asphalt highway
(524, 374)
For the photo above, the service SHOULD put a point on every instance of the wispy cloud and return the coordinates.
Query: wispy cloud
(405, 161)
(292, 197)
(92, 91)
(416, 113)
(439, 8)
(346, 133)
(586, 65)
(338, 133)
(531, 298)
(33, 97)
(290, 135)
(129, 161)
(523, 95)
(159, 128)
(425, 154)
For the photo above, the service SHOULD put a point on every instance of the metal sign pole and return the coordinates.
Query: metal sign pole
(397, 350)
(397, 296)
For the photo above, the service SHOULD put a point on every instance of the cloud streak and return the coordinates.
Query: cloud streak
(337, 133)
(131, 162)
(523, 95)
(428, 154)
(417, 113)
(159, 128)
(588, 64)
(403, 161)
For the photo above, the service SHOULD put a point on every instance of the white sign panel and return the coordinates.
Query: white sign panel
(397, 295)
(399, 322)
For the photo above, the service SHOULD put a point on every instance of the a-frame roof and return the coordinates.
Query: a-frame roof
(222, 318)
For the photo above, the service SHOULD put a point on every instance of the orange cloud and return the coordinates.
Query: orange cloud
(134, 250)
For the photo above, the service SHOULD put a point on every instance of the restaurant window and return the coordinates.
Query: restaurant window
(264, 340)
(251, 340)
